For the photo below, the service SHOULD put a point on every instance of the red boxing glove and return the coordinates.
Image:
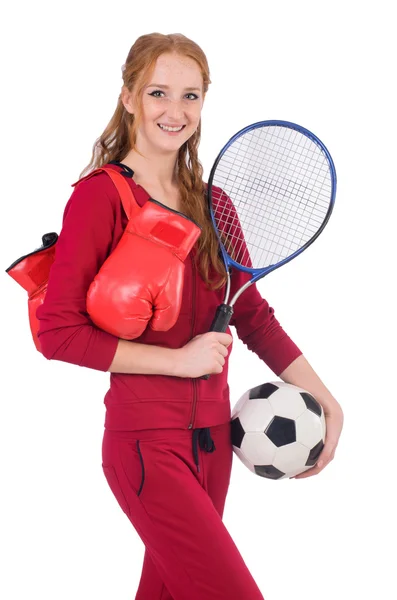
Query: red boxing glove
(141, 282)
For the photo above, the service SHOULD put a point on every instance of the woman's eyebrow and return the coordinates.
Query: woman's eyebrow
(167, 87)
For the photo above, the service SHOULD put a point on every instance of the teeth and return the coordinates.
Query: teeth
(170, 128)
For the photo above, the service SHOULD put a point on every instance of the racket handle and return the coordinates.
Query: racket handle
(222, 318)
(220, 323)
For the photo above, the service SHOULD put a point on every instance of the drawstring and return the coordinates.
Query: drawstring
(203, 436)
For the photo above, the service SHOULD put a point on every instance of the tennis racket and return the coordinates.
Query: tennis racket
(270, 193)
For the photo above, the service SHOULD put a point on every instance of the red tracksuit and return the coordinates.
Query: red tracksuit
(155, 425)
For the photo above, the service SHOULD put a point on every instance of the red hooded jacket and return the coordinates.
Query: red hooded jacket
(93, 223)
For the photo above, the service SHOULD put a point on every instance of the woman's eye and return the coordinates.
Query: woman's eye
(156, 92)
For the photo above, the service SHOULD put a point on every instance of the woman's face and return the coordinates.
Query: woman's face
(173, 98)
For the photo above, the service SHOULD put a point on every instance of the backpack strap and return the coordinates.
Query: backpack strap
(130, 205)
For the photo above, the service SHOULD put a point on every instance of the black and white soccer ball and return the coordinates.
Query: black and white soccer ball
(278, 430)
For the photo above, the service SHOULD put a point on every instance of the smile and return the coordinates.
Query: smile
(168, 128)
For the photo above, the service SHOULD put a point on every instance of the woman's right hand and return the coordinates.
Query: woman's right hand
(203, 355)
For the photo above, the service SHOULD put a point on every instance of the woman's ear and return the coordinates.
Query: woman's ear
(126, 98)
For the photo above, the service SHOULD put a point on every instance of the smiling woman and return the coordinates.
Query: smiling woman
(158, 416)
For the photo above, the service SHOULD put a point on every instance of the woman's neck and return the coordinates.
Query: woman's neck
(161, 171)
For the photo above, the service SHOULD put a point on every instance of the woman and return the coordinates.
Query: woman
(159, 413)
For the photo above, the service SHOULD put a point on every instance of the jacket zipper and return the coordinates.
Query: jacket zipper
(194, 383)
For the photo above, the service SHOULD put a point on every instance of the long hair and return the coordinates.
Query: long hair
(119, 137)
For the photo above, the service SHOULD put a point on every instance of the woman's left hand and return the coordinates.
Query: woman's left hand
(334, 424)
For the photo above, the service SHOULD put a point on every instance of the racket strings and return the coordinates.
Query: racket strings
(275, 188)
(282, 217)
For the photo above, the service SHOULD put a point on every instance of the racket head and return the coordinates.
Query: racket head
(290, 173)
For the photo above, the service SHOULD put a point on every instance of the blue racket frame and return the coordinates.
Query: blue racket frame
(259, 273)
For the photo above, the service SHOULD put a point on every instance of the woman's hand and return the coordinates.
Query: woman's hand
(204, 354)
(334, 425)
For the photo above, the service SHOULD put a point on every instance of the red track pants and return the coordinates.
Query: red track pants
(174, 495)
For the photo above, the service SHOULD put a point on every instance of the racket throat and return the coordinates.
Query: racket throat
(222, 318)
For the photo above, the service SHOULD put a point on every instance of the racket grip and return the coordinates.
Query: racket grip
(222, 318)
(220, 323)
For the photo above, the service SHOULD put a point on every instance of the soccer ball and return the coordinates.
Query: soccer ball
(277, 430)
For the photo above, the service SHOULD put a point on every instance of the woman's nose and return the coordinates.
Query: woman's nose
(175, 109)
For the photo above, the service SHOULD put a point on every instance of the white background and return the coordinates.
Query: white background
(327, 66)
